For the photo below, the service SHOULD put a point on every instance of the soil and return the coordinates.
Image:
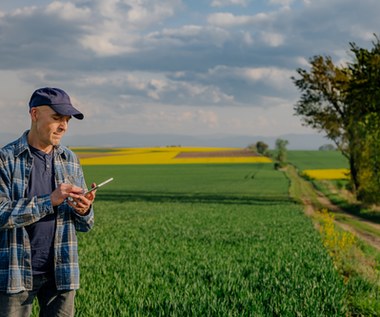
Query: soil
(232, 153)
(91, 155)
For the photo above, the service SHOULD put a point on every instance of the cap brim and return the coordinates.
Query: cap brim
(67, 110)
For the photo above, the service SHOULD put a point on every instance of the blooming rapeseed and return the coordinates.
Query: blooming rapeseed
(338, 243)
(160, 155)
(340, 173)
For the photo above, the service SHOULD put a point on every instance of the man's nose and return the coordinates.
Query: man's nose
(64, 124)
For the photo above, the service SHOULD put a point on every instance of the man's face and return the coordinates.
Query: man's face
(49, 125)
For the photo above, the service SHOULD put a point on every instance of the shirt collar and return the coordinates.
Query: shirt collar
(22, 146)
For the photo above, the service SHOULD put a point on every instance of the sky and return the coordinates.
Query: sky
(183, 67)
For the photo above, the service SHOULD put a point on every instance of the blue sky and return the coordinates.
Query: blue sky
(203, 67)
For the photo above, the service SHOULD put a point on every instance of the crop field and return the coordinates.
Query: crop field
(317, 159)
(202, 240)
(167, 155)
(320, 165)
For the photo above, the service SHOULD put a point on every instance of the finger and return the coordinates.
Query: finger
(91, 196)
(83, 202)
(76, 190)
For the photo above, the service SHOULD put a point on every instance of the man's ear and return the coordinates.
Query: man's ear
(33, 113)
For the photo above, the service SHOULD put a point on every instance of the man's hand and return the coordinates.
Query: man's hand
(64, 191)
(76, 199)
(82, 203)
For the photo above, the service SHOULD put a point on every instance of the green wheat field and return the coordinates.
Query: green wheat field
(203, 240)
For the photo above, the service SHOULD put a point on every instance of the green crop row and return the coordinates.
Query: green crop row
(209, 182)
(203, 240)
(304, 160)
(205, 259)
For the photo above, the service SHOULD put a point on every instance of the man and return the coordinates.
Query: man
(41, 207)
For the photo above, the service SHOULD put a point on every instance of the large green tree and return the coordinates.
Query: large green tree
(344, 103)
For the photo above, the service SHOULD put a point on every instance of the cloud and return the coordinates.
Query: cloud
(120, 23)
(224, 3)
(273, 39)
(189, 35)
(68, 11)
(226, 19)
(285, 3)
(202, 65)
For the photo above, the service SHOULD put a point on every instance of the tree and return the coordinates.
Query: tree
(343, 102)
(262, 148)
(281, 152)
(259, 147)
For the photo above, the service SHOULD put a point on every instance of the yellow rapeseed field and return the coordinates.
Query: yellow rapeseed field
(159, 155)
(340, 173)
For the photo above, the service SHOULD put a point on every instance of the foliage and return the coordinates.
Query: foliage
(262, 147)
(342, 102)
(323, 104)
(259, 147)
(281, 152)
(368, 159)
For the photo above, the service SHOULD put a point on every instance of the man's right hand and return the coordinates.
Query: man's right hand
(62, 192)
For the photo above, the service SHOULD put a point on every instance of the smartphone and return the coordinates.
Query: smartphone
(97, 186)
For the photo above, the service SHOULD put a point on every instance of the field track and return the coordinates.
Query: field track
(371, 239)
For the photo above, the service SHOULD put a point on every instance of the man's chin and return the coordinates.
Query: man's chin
(56, 140)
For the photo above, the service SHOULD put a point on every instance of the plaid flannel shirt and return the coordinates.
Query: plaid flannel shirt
(16, 212)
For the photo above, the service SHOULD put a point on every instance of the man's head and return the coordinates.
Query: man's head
(50, 112)
(56, 99)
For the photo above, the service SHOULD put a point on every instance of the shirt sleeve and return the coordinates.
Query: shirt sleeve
(18, 212)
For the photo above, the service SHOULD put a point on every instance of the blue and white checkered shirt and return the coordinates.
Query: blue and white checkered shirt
(16, 212)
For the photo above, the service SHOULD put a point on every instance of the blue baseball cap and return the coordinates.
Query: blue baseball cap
(56, 99)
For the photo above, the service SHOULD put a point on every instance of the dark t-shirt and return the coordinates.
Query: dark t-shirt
(41, 233)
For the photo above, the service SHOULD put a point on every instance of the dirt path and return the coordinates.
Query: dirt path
(371, 239)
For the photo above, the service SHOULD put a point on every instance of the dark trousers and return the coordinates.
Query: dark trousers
(53, 303)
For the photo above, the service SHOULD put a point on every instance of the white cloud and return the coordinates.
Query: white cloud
(119, 24)
(225, 19)
(248, 39)
(68, 11)
(276, 77)
(285, 3)
(23, 11)
(273, 39)
(161, 65)
(189, 35)
(223, 3)
(272, 76)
